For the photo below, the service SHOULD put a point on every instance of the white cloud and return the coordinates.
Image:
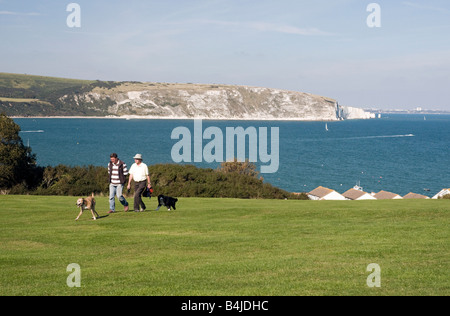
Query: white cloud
(425, 7)
(267, 27)
(286, 29)
(19, 13)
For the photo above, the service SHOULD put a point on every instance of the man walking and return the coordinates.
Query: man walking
(117, 171)
(139, 173)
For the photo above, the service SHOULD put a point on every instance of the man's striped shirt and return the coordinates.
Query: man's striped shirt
(115, 178)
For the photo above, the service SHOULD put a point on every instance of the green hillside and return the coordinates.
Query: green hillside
(225, 247)
(38, 84)
(28, 95)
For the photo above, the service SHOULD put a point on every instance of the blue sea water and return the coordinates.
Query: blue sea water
(397, 153)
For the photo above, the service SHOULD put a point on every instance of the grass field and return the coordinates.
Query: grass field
(225, 247)
(22, 81)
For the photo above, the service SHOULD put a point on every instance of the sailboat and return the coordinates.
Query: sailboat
(358, 186)
(326, 127)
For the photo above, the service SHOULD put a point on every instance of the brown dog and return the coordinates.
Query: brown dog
(87, 204)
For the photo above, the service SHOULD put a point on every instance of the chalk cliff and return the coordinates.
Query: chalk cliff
(351, 113)
(211, 102)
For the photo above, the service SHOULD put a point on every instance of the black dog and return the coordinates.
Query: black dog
(166, 201)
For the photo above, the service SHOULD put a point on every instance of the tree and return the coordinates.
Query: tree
(17, 163)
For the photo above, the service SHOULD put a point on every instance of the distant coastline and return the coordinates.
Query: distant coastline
(179, 118)
(24, 96)
(409, 112)
(136, 117)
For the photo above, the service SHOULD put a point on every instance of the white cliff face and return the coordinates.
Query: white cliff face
(350, 113)
(215, 102)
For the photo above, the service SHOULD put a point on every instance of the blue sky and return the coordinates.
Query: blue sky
(323, 47)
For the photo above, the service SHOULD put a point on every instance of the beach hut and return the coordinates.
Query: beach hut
(325, 194)
(384, 195)
(357, 195)
(414, 196)
(441, 194)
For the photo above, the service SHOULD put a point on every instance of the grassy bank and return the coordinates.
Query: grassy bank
(225, 247)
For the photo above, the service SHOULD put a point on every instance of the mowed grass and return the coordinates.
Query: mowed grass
(218, 247)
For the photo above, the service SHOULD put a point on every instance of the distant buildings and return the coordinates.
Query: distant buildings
(384, 195)
(441, 194)
(357, 194)
(414, 196)
(325, 194)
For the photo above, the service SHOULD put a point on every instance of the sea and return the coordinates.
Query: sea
(396, 153)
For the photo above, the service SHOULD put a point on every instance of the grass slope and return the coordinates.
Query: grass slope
(38, 83)
(225, 247)
(29, 95)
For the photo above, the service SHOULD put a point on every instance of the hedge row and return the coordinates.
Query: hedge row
(168, 179)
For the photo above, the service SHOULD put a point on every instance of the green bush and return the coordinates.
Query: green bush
(73, 181)
(190, 181)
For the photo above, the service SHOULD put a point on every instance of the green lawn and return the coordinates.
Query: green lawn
(225, 247)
